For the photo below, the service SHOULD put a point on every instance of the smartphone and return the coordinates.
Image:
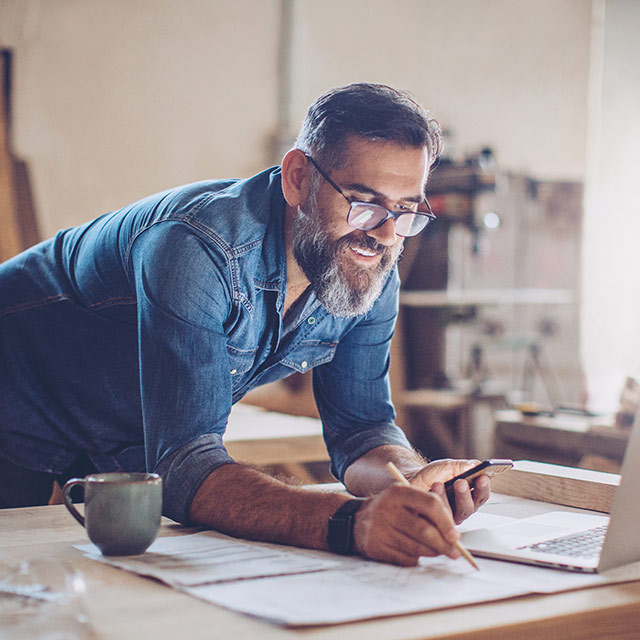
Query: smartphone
(488, 468)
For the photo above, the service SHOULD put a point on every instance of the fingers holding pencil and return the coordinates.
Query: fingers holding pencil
(402, 524)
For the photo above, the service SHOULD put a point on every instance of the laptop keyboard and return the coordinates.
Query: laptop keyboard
(586, 544)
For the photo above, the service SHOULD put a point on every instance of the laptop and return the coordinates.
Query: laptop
(582, 542)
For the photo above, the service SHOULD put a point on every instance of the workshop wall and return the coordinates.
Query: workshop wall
(114, 100)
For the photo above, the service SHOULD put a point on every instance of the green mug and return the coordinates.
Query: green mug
(122, 511)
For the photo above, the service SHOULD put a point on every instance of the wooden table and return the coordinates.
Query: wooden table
(262, 437)
(123, 605)
(560, 439)
(442, 422)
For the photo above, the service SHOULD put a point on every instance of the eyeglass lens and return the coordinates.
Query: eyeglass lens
(369, 216)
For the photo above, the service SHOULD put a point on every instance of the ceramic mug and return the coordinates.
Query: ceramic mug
(122, 511)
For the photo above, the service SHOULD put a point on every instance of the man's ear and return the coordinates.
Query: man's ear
(295, 177)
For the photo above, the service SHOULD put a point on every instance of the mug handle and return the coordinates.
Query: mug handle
(67, 498)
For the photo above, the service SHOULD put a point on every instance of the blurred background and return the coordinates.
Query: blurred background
(523, 297)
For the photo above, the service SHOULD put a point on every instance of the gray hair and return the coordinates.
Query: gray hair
(373, 111)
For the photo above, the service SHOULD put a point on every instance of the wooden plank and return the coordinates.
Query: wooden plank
(556, 484)
(436, 399)
(293, 449)
(263, 437)
(10, 236)
(560, 439)
(485, 297)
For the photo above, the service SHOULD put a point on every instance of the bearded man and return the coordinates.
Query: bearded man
(126, 341)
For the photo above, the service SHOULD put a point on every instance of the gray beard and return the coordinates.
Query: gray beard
(344, 288)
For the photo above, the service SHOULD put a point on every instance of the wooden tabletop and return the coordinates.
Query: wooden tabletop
(558, 439)
(124, 605)
(268, 437)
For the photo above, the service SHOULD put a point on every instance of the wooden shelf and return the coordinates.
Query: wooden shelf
(481, 297)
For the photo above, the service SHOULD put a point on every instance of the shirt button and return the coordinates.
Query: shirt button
(233, 371)
(311, 320)
(304, 364)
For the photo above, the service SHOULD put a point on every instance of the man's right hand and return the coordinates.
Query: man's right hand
(402, 523)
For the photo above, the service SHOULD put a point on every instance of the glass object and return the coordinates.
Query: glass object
(43, 600)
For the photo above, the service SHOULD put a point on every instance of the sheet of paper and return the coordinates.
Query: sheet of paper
(481, 520)
(208, 556)
(360, 589)
(298, 587)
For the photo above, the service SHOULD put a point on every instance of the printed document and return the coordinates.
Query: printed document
(300, 587)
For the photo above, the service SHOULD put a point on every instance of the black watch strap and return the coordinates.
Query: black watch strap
(340, 531)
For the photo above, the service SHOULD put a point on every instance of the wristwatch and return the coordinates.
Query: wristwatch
(340, 531)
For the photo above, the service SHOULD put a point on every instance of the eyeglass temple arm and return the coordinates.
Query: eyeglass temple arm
(425, 207)
(324, 174)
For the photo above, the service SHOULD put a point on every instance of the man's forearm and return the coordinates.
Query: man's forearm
(368, 476)
(399, 524)
(244, 502)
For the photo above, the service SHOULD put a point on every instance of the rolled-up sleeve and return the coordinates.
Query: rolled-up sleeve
(185, 385)
(184, 470)
(352, 391)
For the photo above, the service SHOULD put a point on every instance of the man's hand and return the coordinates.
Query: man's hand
(402, 523)
(399, 524)
(433, 476)
(368, 476)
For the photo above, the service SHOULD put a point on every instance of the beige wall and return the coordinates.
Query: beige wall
(116, 99)
(611, 264)
(512, 74)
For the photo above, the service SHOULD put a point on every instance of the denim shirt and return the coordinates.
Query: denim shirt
(130, 337)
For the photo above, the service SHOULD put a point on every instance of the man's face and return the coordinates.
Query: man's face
(345, 266)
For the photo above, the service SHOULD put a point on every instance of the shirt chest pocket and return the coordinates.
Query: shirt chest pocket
(310, 353)
(240, 360)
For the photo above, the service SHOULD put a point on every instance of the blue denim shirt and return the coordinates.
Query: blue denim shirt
(130, 337)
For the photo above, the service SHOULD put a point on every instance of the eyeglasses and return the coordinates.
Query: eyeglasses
(367, 216)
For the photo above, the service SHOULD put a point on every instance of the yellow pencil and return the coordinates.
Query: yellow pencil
(465, 553)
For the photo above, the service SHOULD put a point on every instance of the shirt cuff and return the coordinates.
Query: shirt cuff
(349, 447)
(186, 469)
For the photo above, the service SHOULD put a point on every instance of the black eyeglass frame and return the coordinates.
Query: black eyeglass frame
(394, 215)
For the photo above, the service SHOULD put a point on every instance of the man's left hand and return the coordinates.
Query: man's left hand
(468, 498)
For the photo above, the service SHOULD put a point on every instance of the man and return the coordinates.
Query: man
(126, 341)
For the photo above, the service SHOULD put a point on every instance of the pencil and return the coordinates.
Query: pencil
(461, 548)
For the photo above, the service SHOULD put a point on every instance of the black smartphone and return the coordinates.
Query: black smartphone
(488, 467)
